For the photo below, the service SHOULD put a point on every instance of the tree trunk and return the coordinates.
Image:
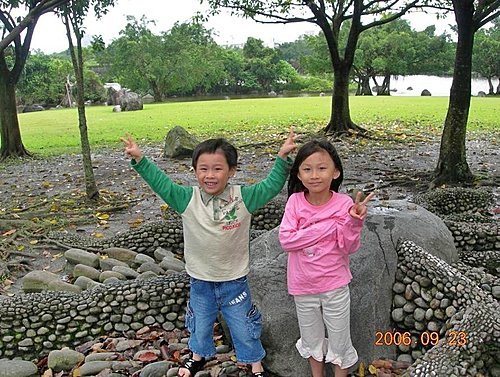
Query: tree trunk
(386, 86)
(452, 167)
(498, 87)
(157, 95)
(340, 118)
(77, 60)
(90, 184)
(364, 86)
(11, 142)
(490, 84)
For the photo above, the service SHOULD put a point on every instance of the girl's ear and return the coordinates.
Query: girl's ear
(336, 174)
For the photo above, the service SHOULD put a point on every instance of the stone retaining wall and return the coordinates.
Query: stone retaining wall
(33, 324)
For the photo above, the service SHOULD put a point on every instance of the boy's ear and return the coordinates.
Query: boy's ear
(232, 172)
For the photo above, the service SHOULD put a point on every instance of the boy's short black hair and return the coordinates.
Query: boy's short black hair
(212, 146)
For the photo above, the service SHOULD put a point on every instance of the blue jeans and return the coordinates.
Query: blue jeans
(232, 299)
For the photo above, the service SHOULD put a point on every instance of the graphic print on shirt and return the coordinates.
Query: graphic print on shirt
(230, 213)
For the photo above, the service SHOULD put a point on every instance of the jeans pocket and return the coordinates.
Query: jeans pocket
(189, 318)
(254, 322)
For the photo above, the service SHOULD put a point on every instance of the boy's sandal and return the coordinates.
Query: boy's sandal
(193, 366)
(259, 374)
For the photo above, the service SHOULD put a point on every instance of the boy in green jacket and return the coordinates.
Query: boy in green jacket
(216, 219)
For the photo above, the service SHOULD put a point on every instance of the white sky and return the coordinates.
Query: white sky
(50, 35)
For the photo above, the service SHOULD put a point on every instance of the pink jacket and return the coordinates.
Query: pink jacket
(318, 240)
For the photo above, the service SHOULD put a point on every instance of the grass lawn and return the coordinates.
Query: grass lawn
(56, 131)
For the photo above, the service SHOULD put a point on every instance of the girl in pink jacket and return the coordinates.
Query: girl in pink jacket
(319, 230)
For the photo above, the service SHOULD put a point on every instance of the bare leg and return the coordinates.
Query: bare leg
(340, 372)
(184, 372)
(257, 367)
(317, 367)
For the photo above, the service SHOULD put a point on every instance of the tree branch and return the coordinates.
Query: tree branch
(42, 7)
(486, 12)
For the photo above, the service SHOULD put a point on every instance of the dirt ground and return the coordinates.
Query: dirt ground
(51, 191)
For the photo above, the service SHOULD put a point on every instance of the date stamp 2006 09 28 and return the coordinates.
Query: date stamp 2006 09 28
(396, 338)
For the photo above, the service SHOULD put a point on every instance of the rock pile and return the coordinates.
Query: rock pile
(87, 270)
(454, 324)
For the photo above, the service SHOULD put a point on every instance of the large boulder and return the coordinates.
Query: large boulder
(114, 94)
(179, 143)
(373, 268)
(32, 108)
(131, 101)
(148, 98)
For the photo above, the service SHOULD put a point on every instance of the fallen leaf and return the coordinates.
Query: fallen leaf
(102, 216)
(176, 356)
(47, 373)
(361, 369)
(76, 372)
(9, 232)
(147, 356)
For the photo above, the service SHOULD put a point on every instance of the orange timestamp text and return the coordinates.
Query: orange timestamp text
(426, 338)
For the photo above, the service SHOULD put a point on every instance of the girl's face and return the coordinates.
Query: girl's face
(213, 172)
(316, 173)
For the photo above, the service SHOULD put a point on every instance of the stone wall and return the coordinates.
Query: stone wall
(33, 324)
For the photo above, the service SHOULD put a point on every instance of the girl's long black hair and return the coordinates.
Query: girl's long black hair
(294, 183)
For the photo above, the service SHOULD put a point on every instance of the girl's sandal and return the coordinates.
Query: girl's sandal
(193, 366)
(259, 374)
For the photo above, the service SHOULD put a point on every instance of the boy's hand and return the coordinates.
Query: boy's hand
(359, 210)
(289, 145)
(131, 148)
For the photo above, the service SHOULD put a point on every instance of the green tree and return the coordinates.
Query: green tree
(165, 64)
(135, 58)
(434, 54)
(186, 45)
(470, 16)
(294, 52)
(234, 77)
(318, 62)
(14, 49)
(486, 55)
(331, 17)
(72, 15)
(43, 79)
(261, 63)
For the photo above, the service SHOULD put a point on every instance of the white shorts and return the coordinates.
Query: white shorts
(330, 309)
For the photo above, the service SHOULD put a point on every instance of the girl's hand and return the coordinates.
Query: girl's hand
(131, 148)
(359, 209)
(289, 144)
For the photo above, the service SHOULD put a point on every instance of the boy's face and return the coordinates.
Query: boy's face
(213, 172)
